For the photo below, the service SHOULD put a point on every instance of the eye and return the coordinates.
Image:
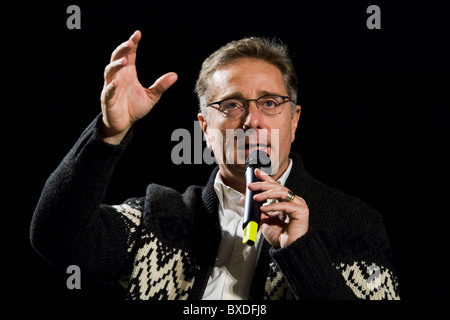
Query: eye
(269, 102)
(231, 104)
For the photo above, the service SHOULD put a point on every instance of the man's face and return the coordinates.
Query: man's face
(249, 79)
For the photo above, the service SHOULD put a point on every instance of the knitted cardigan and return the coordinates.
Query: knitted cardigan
(157, 242)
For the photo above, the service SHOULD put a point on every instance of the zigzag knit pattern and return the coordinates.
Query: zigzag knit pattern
(369, 284)
(160, 272)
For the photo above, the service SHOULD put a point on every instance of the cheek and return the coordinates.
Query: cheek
(213, 138)
(216, 136)
(212, 132)
(285, 133)
(285, 142)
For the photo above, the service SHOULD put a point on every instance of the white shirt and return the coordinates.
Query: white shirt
(235, 264)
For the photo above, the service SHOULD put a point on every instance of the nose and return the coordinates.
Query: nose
(253, 118)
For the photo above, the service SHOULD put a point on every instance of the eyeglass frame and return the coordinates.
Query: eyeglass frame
(247, 101)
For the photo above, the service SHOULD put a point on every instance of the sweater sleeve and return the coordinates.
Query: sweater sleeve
(361, 269)
(70, 225)
(308, 269)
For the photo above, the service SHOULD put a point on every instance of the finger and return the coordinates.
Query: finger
(129, 46)
(273, 218)
(121, 50)
(263, 176)
(161, 85)
(264, 186)
(134, 39)
(286, 207)
(279, 194)
(110, 89)
(294, 210)
(112, 68)
(277, 206)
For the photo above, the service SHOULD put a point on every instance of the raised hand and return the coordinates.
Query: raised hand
(123, 99)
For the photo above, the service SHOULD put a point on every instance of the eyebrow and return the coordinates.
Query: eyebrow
(239, 95)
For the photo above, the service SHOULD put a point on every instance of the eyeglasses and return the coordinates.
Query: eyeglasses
(269, 105)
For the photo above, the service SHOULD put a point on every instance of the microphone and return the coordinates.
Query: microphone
(252, 215)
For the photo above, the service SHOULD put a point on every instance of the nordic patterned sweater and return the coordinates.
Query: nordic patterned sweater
(158, 245)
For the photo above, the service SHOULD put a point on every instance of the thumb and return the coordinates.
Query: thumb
(161, 85)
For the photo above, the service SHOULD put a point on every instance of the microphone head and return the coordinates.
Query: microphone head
(258, 159)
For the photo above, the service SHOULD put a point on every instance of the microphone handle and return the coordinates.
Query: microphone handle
(252, 213)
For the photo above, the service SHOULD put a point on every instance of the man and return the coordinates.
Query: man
(315, 242)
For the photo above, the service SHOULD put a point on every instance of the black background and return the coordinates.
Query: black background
(374, 124)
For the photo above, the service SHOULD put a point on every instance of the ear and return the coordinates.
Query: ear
(294, 123)
(204, 126)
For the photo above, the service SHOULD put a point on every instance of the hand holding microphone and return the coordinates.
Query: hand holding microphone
(281, 222)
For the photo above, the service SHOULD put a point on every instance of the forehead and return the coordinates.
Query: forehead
(246, 77)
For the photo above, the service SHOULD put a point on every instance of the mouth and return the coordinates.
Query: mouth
(251, 143)
(250, 147)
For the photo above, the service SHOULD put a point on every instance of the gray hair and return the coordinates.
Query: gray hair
(271, 51)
